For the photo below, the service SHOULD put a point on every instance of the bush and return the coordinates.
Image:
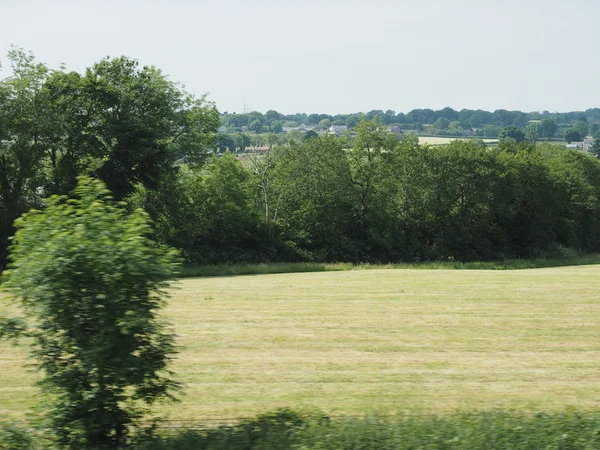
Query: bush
(91, 284)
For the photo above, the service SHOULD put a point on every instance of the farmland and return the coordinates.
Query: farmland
(351, 342)
(437, 140)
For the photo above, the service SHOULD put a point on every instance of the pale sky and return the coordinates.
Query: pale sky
(333, 56)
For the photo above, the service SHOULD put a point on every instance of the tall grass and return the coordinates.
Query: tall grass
(468, 431)
(286, 429)
(268, 268)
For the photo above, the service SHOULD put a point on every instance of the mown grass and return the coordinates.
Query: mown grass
(219, 270)
(351, 342)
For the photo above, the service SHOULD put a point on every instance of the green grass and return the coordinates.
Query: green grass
(271, 268)
(443, 140)
(354, 341)
(481, 431)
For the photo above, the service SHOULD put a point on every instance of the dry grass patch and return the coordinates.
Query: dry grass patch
(385, 340)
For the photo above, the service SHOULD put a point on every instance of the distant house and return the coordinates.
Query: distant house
(299, 128)
(256, 149)
(575, 145)
(587, 143)
(395, 129)
(338, 129)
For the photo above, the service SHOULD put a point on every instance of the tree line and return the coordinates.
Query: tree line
(381, 199)
(444, 122)
(370, 196)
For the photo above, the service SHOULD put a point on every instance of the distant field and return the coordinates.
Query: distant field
(378, 340)
(437, 140)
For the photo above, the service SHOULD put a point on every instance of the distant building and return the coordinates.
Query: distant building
(299, 128)
(395, 129)
(587, 143)
(338, 129)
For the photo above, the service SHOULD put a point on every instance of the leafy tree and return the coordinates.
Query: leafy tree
(317, 209)
(532, 132)
(276, 126)
(256, 126)
(512, 132)
(121, 123)
(491, 131)
(21, 154)
(91, 285)
(324, 124)
(548, 128)
(595, 150)
(581, 127)
(572, 135)
(309, 135)
(118, 122)
(442, 123)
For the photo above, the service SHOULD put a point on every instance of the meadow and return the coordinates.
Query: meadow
(381, 340)
(441, 140)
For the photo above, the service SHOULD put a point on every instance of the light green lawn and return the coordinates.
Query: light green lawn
(441, 140)
(378, 340)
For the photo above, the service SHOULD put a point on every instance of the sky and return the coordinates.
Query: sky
(332, 56)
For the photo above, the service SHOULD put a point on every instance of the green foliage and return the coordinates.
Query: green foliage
(13, 437)
(512, 132)
(572, 135)
(463, 431)
(316, 209)
(558, 258)
(91, 285)
(548, 128)
(595, 150)
(271, 431)
(118, 121)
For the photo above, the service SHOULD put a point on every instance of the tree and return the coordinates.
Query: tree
(595, 150)
(309, 135)
(581, 127)
(120, 122)
(21, 154)
(512, 132)
(548, 128)
(572, 135)
(532, 131)
(276, 126)
(91, 285)
(324, 124)
(316, 209)
(255, 126)
(442, 123)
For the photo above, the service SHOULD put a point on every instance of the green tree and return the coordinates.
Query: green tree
(548, 128)
(595, 150)
(122, 123)
(276, 126)
(21, 152)
(324, 124)
(91, 285)
(581, 127)
(255, 126)
(532, 132)
(512, 132)
(572, 135)
(316, 209)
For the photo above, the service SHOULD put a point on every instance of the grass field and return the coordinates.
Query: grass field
(351, 342)
(440, 140)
